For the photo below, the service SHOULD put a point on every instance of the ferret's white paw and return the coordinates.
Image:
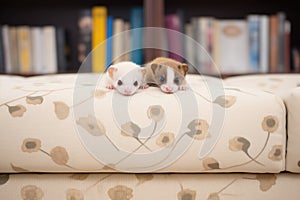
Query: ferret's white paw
(183, 87)
(144, 86)
(111, 87)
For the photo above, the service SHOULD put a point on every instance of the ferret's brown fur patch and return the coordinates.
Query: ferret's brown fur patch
(178, 66)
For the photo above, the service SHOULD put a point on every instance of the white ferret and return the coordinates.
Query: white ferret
(126, 77)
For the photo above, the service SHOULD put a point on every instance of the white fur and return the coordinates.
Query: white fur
(128, 72)
(169, 86)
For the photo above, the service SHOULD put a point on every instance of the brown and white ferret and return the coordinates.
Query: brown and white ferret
(166, 73)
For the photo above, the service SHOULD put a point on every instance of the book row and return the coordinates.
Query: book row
(104, 36)
(256, 43)
(29, 50)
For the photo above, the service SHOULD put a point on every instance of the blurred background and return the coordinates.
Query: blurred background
(55, 36)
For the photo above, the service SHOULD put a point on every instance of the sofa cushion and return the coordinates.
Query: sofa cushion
(72, 123)
(150, 186)
(287, 86)
(279, 84)
(292, 101)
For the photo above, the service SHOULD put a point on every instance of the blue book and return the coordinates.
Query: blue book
(109, 34)
(137, 22)
(253, 22)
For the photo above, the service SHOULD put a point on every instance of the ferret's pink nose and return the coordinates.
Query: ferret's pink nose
(169, 89)
(127, 91)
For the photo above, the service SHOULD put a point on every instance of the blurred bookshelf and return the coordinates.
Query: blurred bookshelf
(64, 15)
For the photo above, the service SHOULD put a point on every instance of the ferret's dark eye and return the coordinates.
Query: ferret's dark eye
(135, 83)
(176, 80)
(120, 82)
(162, 79)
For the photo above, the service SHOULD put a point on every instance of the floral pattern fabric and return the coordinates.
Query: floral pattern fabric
(56, 123)
(287, 87)
(116, 186)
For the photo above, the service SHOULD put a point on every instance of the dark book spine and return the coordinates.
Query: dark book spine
(296, 60)
(273, 43)
(281, 41)
(287, 47)
(61, 49)
(85, 40)
(153, 17)
(173, 24)
(2, 67)
(136, 20)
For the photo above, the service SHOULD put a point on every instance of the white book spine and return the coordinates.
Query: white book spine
(117, 42)
(216, 46)
(188, 47)
(234, 46)
(49, 50)
(203, 41)
(210, 46)
(264, 44)
(127, 43)
(6, 45)
(196, 45)
(37, 49)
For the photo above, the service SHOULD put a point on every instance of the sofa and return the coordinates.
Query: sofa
(65, 136)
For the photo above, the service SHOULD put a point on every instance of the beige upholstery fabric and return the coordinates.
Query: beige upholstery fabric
(66, 123)
(287, 86)
(150, 186)
(279, 84)
(292, 101)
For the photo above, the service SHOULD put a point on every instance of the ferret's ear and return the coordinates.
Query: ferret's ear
(185, 68)
(111, 71)
(154, 67)
(143, 71)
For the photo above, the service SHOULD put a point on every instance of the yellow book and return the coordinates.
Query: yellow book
(24, 49)
(99, 14)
